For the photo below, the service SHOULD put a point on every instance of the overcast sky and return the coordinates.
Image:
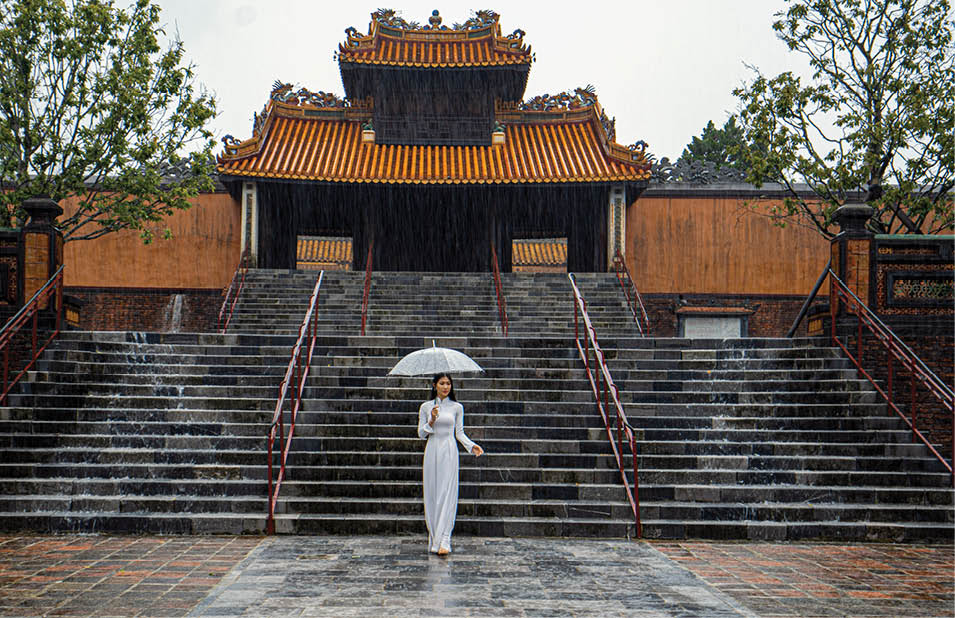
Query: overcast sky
(663, 69)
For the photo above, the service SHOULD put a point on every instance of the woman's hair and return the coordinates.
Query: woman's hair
(434, 383)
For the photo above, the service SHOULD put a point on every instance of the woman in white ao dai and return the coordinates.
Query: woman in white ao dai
(440, 421)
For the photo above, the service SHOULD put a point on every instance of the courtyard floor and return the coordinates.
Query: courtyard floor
(100, 575)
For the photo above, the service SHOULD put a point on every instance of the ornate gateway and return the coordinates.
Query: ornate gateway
(433, 141)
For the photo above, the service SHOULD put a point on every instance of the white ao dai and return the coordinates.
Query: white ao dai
(440, 468)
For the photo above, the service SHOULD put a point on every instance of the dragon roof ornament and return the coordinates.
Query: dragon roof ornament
(390, 17)
(284, 93)
(578, 98)
(569, 100)
(481, 19)
(483, 27)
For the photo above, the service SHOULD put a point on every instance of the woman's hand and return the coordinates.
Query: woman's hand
(434, 416)
(477, 450)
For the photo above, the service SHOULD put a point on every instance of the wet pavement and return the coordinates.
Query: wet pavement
(92, 575)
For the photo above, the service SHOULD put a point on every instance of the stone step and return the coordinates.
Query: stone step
(170, 363)
(484, 506)
(651, 495)
(229, 435)
(352, 467)
(355, 376)
(737, 438)
(833, 530)
(489, 526)
(494, 388)
(696, 349)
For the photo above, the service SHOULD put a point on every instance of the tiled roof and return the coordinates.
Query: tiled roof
(324, 250)
(565, 148)
(539, 252)
(452, 53)
(317, 252)
(416, 47)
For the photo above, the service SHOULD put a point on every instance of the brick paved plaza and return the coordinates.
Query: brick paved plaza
(93, 575)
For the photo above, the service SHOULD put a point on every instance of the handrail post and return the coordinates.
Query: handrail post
(270, 525)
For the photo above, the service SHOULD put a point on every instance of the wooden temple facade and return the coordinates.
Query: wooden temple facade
(432, 156)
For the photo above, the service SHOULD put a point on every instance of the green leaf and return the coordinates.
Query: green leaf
(93, 106)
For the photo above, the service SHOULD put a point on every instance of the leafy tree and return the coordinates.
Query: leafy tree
(93, 106)
(717, 146)
(876, 116)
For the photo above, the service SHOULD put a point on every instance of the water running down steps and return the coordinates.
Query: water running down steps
(755, 438)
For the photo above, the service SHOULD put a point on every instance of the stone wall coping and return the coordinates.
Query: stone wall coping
(718, 311)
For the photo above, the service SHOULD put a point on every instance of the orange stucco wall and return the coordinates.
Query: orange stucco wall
(718, 245)
(202, 253)
(674, 244)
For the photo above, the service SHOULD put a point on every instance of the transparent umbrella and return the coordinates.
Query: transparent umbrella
(430, 361)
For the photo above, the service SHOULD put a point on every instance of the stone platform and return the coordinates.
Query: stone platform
(91, 575)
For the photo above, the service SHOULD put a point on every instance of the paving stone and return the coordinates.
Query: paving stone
(520, 577)
(348, 576)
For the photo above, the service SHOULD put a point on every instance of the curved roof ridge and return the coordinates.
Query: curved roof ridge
(579, 104)
(391, 40)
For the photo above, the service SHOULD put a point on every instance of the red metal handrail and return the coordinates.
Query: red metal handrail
(238, 281)
(501, 302)
(296, 375)
(632, 294)
(365, 295)
(897, 349)
(597, 367)
(31, 312)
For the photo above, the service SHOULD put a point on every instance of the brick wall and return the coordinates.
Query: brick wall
(147, 309)
(772, 314)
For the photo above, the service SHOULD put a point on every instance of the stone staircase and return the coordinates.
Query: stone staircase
(752, 438)
(772, 439)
